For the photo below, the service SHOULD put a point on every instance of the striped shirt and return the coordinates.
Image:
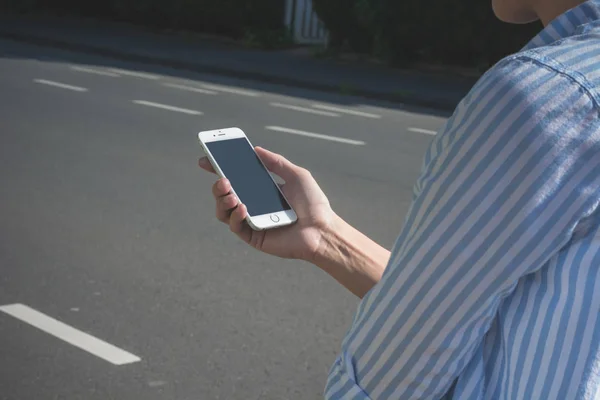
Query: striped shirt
(492, 290)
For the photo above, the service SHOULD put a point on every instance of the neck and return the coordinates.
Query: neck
(548, 10)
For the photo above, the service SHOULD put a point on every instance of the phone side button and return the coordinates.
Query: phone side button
(275, 218)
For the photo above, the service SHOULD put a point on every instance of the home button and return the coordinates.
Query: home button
(275, 218)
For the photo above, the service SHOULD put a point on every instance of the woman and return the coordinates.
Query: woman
(492, 290)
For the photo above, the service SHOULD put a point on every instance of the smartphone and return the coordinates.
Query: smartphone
(232, 156)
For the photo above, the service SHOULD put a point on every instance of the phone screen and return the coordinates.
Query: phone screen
(249, 178)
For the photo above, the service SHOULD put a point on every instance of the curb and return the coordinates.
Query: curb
(439, 104)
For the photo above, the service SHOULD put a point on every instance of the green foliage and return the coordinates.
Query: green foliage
(232, 18)
(437, 31)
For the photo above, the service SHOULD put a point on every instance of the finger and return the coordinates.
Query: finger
(238, 225)
(221, 188)
(225, 206)
(205, 164)
(278, 164)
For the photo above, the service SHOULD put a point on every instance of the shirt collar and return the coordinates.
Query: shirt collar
(568, 24)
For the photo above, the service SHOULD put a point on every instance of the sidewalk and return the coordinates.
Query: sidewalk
(210, 56)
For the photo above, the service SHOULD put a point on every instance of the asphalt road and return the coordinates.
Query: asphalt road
(107, 226)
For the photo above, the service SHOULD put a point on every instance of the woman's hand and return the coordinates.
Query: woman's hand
(315, 216)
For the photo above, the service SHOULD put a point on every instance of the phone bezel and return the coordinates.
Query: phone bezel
(256, 222)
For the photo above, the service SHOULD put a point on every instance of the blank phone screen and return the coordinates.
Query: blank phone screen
(249, 178)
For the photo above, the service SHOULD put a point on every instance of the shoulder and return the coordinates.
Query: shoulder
(570, 67)
(520, 105)
(523, 93)
(528, 78)
(577, 56)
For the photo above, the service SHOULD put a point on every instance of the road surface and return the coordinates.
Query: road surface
(117, 282)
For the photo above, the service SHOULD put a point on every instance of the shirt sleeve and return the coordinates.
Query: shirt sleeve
(503, 186)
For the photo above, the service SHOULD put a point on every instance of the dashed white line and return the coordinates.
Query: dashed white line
(305, 110)
(94, 71)
(77, 338)
(425, 131)
(315, 135)
(135, 74)
(189, 88)
(167, 107)
(60, 85)
(346, 111)
(226, 89)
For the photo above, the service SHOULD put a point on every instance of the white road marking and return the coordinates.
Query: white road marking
(315, 135)
(305, 110)
(231, 90)
(167, 107)
(346, 111)
(60, 85)
(95, 71)
(189, 88)
(425, 131)
(73, 336)
(135, 74)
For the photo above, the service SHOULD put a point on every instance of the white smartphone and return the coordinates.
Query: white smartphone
(233, 157)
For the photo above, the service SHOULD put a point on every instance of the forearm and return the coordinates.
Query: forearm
(350, 257)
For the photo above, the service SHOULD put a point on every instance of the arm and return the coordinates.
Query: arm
(320, 236)
(506, 183)
(351, 258)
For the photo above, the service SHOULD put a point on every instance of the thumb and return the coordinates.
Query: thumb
(278, 164)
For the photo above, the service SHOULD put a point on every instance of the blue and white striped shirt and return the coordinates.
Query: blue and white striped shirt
(493, 287)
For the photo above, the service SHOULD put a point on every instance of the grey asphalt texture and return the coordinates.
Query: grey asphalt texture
(107, 225)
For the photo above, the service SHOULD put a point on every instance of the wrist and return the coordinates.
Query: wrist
(350, 257)
(331, 239)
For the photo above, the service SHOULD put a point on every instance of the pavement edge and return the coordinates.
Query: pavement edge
(439, 104)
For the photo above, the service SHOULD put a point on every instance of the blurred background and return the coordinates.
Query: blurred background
(116, 281)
